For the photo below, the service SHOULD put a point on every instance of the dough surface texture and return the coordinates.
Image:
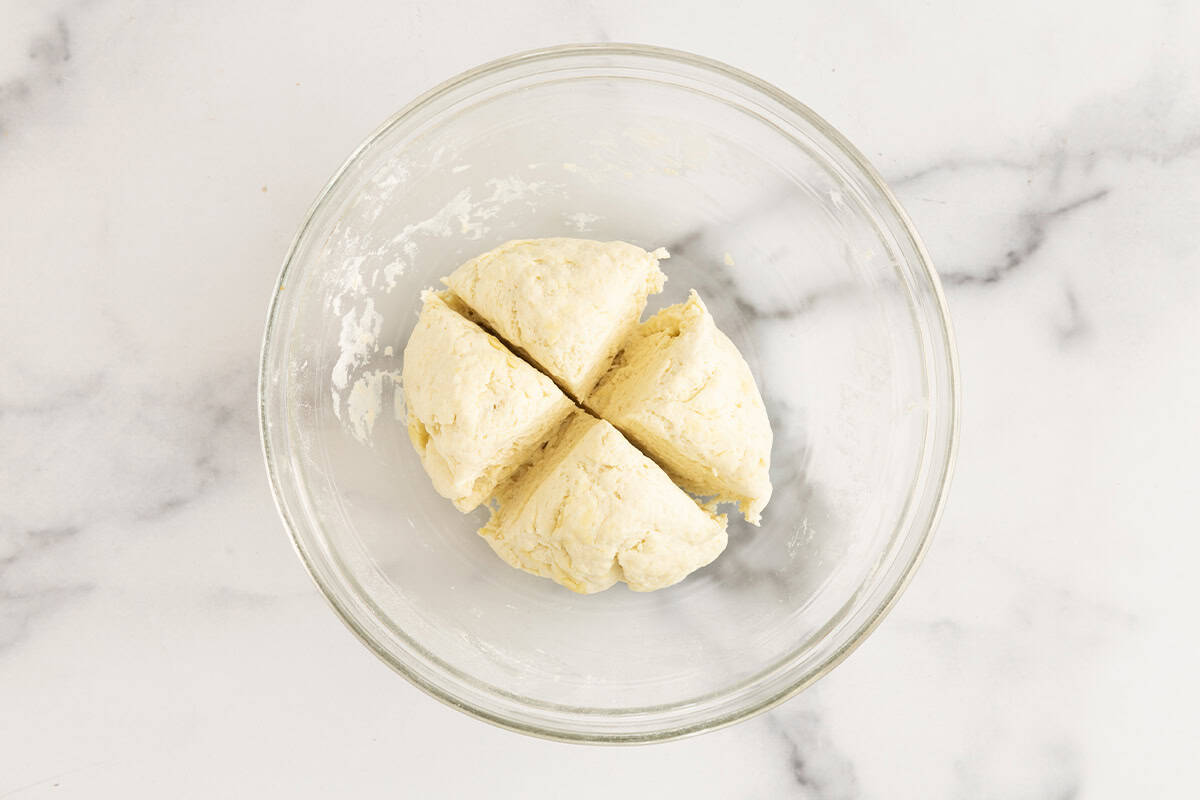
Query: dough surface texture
(475, 410)
(590, 510)
(566, 303)
(681, 391)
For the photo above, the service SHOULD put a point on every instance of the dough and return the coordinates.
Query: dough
(573, 499)
(590, 510)
(566, 303)
(682, 392)
(475, 410)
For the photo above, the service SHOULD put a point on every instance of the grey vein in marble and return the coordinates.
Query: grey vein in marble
(47, 54)
(1056, 159)
(1075, 326)
(54, 402)
(19, 607)
(720, 283)
(200, 419)
(954, 165)
(816, 768)
(1036, 225)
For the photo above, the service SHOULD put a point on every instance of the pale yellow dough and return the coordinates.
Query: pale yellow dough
(590, 510)
(566, 303)
(682, 392)
(475, 410)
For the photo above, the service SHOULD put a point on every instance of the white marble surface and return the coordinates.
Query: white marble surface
(159, 638)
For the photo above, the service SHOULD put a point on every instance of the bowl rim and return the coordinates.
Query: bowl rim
(947, 460)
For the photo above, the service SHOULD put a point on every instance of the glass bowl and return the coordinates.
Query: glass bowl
(806, 261)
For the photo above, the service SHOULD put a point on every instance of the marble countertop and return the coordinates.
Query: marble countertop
(158, 637)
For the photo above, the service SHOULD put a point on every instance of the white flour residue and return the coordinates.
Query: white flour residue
(581, 220)
(393, 271)
(440, 224)
(348, 280)
(357, 342)
(390, 175)
(365, 401)
(460, 216)
(505, 190)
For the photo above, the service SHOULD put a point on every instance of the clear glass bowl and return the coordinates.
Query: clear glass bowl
(807, 262)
